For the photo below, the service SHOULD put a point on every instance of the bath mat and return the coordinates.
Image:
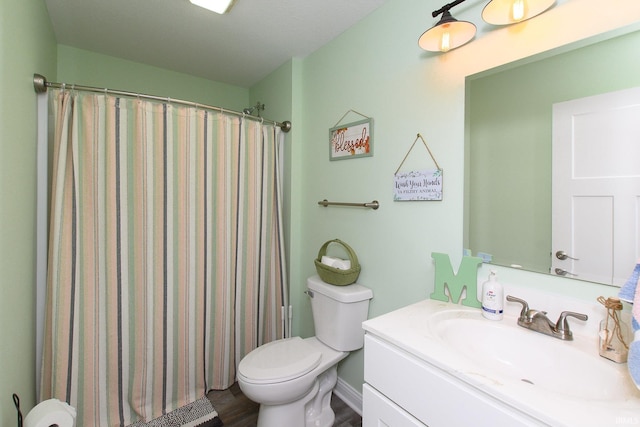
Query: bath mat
(197, 414)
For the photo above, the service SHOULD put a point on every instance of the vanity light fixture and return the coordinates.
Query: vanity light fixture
(217, 6)
(506, 12)
(449, 33)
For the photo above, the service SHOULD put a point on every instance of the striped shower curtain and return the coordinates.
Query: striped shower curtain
(165, 259)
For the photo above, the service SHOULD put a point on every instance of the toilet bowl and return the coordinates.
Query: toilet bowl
(285, 377)
(293, 378)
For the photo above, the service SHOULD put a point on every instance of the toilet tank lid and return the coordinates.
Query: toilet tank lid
(349, 293)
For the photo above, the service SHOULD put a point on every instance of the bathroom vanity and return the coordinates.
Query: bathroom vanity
(438, 364)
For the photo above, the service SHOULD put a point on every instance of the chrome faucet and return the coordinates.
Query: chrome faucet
(539, 322)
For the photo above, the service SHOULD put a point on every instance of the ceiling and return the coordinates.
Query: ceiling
(239, 48)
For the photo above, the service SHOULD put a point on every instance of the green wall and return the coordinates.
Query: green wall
(510, 140)
(375, 68)
(280, 92)
(27, 46)
(92, 69)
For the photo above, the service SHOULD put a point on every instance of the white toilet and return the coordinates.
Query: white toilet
(292, 378)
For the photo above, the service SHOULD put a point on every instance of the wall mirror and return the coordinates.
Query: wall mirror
(508, 149)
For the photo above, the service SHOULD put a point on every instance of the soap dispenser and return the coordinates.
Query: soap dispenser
(492, 298)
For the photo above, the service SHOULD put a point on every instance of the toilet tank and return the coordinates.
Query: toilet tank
(338, 313)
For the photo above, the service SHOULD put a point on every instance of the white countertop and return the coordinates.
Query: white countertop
(409, 329)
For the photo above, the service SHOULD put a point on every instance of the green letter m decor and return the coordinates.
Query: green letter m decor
(467, 277)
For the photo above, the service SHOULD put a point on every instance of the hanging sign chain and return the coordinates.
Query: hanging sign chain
(426, 146)
(345, 115)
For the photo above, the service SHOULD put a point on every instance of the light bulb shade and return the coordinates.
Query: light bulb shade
(217, 6)
(447, 34)
(506, 12)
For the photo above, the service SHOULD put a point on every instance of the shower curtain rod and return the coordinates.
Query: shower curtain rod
(40, 84)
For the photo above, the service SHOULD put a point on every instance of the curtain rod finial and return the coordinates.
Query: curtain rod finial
(286, 126)
(39, 83)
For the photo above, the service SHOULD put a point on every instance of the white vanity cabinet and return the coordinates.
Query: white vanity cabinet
(402, 390)
(380, 411)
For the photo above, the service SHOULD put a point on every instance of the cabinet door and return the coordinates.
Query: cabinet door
(431, 395)
(378, 411)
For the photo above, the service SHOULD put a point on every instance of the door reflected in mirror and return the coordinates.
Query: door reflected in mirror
(596, 186)
(508, 152)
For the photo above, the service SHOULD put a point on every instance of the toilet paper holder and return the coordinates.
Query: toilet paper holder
(16, 401)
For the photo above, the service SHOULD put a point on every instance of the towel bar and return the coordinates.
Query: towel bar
(373, 205)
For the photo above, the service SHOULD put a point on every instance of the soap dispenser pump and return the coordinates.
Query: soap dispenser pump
(492, 298)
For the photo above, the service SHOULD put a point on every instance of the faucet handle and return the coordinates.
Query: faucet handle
(562, 325)
(525, 306)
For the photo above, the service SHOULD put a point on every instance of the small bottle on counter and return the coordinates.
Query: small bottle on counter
(492, 298)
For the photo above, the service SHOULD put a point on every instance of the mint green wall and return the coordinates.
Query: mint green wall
(92, 69)
(510, 115)
(376, 68)
(278, 93)
(27, 45)
(284, 90)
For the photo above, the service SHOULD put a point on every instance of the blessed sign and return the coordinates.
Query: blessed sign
(418, 185)
(351, 140)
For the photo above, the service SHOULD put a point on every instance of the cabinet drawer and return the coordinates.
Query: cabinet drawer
(378, 411)
(431, 395)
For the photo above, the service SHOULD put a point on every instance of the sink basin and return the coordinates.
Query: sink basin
(504, 351)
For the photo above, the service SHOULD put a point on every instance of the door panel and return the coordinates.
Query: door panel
(596, 186)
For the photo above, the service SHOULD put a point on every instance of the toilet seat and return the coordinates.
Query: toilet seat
(279, 361)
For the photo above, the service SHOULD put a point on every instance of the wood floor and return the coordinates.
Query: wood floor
(235, 410)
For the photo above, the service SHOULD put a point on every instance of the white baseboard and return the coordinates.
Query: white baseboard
(349, 395)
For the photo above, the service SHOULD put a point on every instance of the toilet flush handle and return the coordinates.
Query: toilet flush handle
(309, 292)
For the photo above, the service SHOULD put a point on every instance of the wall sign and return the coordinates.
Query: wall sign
(351, 140)
(424, 184)
(418, 185)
